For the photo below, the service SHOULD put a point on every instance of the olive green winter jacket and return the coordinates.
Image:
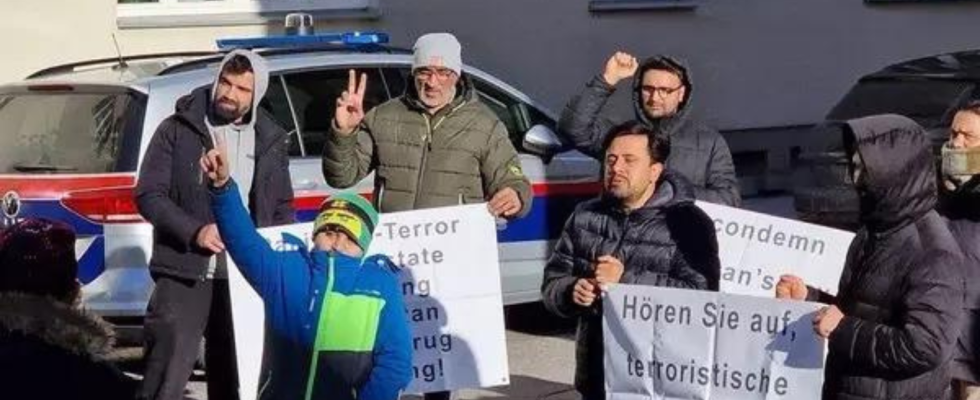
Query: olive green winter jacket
(460, 155)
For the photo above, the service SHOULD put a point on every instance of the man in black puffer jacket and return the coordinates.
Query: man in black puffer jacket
(891, 327)
(662, 90)
(960, 204)
(645, 230)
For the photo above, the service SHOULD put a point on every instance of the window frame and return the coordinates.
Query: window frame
(176, 13)
(298, 128)
(640, 5)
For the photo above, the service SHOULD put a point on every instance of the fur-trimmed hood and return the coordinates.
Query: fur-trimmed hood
(56, 324)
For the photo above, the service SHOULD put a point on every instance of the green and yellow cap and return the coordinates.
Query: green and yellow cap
(352, 214)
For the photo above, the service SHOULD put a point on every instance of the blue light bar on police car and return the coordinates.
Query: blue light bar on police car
(294, 41)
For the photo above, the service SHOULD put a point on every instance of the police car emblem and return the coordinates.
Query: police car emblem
(11, 205)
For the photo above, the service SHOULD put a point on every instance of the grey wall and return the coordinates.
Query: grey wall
(757, 63)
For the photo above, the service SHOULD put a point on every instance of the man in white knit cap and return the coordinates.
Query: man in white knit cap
(437, 145)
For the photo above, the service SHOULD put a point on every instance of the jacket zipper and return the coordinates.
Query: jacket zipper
(427, 147)
(622, 236)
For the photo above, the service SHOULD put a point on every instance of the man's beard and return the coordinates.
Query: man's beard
(225, 115)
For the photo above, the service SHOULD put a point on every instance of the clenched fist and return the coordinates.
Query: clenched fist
(620, 66)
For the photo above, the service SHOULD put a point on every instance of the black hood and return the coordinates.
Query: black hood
(56, 324)
(193, 108)
(660, 62)
(900, 172)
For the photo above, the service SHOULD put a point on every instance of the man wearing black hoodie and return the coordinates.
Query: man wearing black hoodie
(662, 92)
(190, 299)
(643, 230)
(891, 328)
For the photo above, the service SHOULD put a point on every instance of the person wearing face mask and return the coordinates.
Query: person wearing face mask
(436, 145)
(336, 326)
(888, 329)
(960, 204)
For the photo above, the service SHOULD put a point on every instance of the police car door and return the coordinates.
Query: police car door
(560, 181)
(302, 102)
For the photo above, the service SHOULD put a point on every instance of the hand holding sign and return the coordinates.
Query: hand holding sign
(505, 203)
(791, 287)
(608, 270)
(826, 321)
(583, 293)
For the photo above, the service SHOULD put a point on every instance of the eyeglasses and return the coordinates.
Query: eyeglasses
(442, 74)
(660, 91)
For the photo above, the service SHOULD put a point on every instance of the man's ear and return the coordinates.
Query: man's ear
(683, 93)
(656, 170)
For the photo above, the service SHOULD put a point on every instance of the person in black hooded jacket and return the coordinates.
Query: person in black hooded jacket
(889, 327)
(50, 349)
(191, 297)
(960, 204)
(662, 91)
(644, 230)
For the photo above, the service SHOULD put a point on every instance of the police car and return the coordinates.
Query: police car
(74, 136)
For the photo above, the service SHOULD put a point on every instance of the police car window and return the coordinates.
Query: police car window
(54, 130)
(313, 95)
(397, 79)
(507, 108)
(276, 104)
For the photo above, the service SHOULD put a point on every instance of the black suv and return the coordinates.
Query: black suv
(928, 90)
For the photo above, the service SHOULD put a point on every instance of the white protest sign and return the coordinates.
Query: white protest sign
(682, 344)
(451, 284)
(248, 312)
(755, 249)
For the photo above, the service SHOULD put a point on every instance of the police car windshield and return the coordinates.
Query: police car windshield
(69, 131)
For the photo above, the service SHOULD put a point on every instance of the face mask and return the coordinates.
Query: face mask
(960, 165)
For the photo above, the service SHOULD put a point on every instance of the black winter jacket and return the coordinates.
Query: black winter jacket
(901, 289)
(49, 351)
(962, 209)
(172, 190)
(697, 152)
(669, 242)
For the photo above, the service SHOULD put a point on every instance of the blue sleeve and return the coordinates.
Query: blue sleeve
(393, 350)
(252, 254)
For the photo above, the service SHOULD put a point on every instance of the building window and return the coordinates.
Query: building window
(632, 5)
(170, 13)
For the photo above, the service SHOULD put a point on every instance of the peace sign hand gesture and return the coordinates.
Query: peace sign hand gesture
(350, 105)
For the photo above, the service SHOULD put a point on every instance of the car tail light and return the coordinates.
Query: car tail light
(113, 205)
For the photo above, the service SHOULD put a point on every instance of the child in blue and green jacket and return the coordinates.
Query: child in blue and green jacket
(335, 321)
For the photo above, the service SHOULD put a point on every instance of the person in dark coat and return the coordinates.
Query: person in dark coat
(644, 229)
(662, 90)
(49, 348)
(190, 298)
(960, 204)
(889, 329)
